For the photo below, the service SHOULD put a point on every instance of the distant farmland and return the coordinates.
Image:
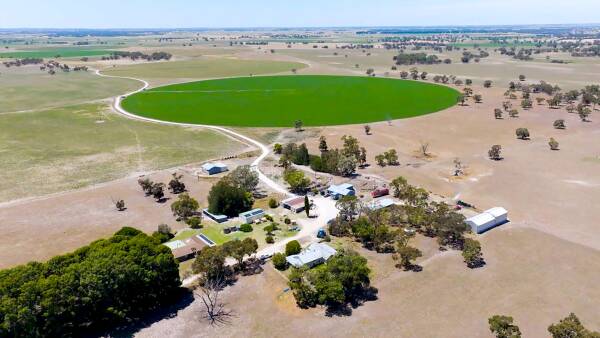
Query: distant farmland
(278, 101)
(55, 52)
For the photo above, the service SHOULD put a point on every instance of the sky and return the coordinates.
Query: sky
(287, 13)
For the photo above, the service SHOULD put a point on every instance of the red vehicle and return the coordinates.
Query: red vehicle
(380, 192)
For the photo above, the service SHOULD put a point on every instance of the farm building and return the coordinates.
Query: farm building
(216, 218)
(187, 248)
(381, 204)
(252, 215)
(314, 254)
(342, 190)
(488, 219)
(380, 192)
(214, 168)
(295, 204)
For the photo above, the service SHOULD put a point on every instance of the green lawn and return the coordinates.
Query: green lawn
(66, 148)
(278, 101)
(215, 233)
(51, 53)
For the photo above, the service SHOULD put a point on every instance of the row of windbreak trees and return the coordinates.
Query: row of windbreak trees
(105, 284)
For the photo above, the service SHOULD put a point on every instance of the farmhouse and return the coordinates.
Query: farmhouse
(252, 215)
(295, 204)
(214, 168)
(187, 248)
(314, 254)
(342, 190)
(488, 219)
(216, 218)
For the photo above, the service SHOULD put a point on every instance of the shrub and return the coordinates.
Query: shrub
(287, 221)
(279, 261)
(273, 203)
(246, 228)
(269, 240)
(194, 222)
(522, 133)
(292, 248)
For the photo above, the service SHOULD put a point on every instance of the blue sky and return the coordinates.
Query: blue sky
(285, 13)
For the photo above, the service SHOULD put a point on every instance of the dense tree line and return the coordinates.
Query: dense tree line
(109, 282)
(416, 59)
(156, 56)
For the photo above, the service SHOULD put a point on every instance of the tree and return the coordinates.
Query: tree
(273, 203)
(214, 308)
(571, 327)
(347, 165)
(351, 147)
(526, 104)
(403, 74)
(279, 261)
(553, 144)
(146, 185)
(227, 199)
(292, 248)
(522, 133)
(424, 148)
(362, 158)
(120, 205)
(301, 155)
(503, 327)
(472, 253)
(468, 82)
(306, 206)
(461, 99)
(163, 233)
(468, 91)
(296, 179)
(583, 112)
(323, 145)
(277, 148)
(559, 124)
(158, 191)
(185, 206)
(210, 262)
(349, 207)
(391, 157)
(298, 125)
(487, 83)
(521, 77)
(175, 185)
(513, 113)
(495, 153)
(244, 178)
(370, 71)
(240, 249)
(478, 98)
(380, 159)
(108, 283)
(367, 129)
(498, 113)
(406, 254)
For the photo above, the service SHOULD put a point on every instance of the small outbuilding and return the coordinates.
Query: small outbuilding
(252, 215)
(216, 218)
(214, 168)
(487, 220)
(314, 254)
(295, 204)
(341, 190)
(381, 204)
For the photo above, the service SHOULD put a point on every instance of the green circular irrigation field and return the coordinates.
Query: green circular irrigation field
(278, 101)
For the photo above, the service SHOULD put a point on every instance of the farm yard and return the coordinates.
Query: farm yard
(66, 155)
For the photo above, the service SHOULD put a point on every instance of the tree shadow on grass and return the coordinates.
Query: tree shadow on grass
(181, 300)
(345, 310)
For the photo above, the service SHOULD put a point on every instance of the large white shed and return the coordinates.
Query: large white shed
(488, 219)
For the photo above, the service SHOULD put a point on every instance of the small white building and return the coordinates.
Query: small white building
(252, 215)
(488, 219)
(314, 254)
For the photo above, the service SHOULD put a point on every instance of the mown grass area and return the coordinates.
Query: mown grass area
(28, 88)
(48, 151)
(278, 101)
(203, 68)
(53, 53)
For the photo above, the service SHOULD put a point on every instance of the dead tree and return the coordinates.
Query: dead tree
(214, 309)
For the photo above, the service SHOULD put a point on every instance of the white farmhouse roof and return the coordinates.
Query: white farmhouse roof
(481, 219)
(313, 253)
(175, 244)
(497, 211)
